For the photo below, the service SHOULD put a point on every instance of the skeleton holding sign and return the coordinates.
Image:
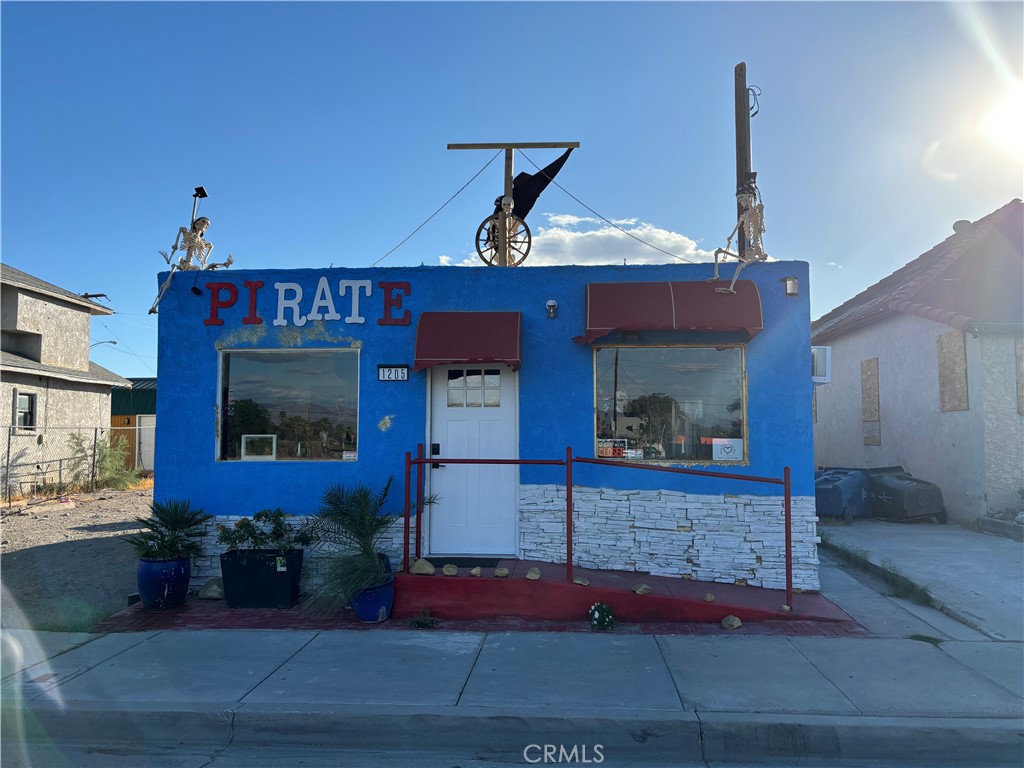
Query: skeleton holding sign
(197, 252)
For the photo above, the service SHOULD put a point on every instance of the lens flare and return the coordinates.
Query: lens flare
(1003, 122)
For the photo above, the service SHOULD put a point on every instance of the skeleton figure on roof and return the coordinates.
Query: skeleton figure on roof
(197, 252)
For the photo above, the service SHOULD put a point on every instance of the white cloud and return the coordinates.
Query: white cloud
(567, 239)
(833, 264)
(568, 220)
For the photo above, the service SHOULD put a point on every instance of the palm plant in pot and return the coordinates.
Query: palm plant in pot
(262, 566)
(354, 520)
(165, 546)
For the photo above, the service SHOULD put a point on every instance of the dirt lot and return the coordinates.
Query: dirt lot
(63, 565)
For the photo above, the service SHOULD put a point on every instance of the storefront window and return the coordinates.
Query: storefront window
(670, 403)
(294, 405)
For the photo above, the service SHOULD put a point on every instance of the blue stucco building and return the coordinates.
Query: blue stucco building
(276, 383)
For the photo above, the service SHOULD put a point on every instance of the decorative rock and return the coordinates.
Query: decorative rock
(475, 571)
(731, 622)
(450, 569)
(581, 581)
(501, 573)
(642, 589)
(212, 590)
(709, 597)
(785, 608)
(423, 567)
(533, 574)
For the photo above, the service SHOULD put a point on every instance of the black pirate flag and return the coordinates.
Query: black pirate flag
(526, 187)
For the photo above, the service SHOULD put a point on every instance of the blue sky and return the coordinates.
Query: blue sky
(320, 132)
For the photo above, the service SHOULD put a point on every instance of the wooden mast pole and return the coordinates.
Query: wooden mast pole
(743, 161)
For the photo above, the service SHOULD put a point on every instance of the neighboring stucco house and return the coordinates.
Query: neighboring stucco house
(926, 369)
(49, 385)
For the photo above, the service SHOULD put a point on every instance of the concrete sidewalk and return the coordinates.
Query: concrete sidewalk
(642, 698)
(977, 578)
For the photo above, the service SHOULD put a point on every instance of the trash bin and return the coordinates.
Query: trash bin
(896, 495)
(841, 492)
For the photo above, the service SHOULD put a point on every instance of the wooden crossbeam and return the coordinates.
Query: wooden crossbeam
(520, 145)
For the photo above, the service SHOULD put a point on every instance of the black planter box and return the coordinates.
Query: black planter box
(261, 578)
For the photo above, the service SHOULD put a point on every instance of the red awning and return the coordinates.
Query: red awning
(444, 338)
(694, 306)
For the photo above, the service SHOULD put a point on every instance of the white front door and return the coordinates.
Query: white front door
(473, 415)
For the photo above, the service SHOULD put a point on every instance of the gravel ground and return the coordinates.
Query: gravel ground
(63, 565)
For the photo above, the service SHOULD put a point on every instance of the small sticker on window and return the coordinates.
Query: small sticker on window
(726, 449)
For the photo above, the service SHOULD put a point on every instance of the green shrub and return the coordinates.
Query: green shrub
(111, 463)
(266, 530)
(174, 531)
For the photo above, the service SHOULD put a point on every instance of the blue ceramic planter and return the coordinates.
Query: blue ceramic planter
(163, 583)
(373, 604)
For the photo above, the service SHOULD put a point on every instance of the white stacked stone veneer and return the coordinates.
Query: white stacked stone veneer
(207, 566)
(716, 538)
(719, 538)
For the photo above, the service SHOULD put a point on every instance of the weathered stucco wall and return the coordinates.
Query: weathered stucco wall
(59, 404)
(947, 448)
(1004, 424)
(46, 454)
(64, 329)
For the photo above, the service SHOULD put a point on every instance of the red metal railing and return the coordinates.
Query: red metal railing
(420, 460)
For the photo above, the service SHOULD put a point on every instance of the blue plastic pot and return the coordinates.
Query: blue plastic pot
(163, 583)
(373, 604)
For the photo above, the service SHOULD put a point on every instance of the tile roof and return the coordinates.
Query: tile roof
(97, 374)
(948, 283)
(16, 277)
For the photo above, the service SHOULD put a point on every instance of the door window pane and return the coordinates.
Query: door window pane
(474, 387)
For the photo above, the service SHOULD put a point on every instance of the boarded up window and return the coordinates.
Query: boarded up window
(869, 402)
(1020, 375)
(952, 355)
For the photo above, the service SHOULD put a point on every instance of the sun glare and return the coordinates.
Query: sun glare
(1003, 123)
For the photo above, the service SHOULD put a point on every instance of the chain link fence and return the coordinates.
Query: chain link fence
(55, 460)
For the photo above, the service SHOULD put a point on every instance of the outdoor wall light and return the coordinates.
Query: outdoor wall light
(792, 286)
(552, 307)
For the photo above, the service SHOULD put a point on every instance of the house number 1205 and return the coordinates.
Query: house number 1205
(392, 373)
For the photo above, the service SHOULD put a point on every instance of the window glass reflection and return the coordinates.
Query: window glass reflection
(306, 399)
(661, 403)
